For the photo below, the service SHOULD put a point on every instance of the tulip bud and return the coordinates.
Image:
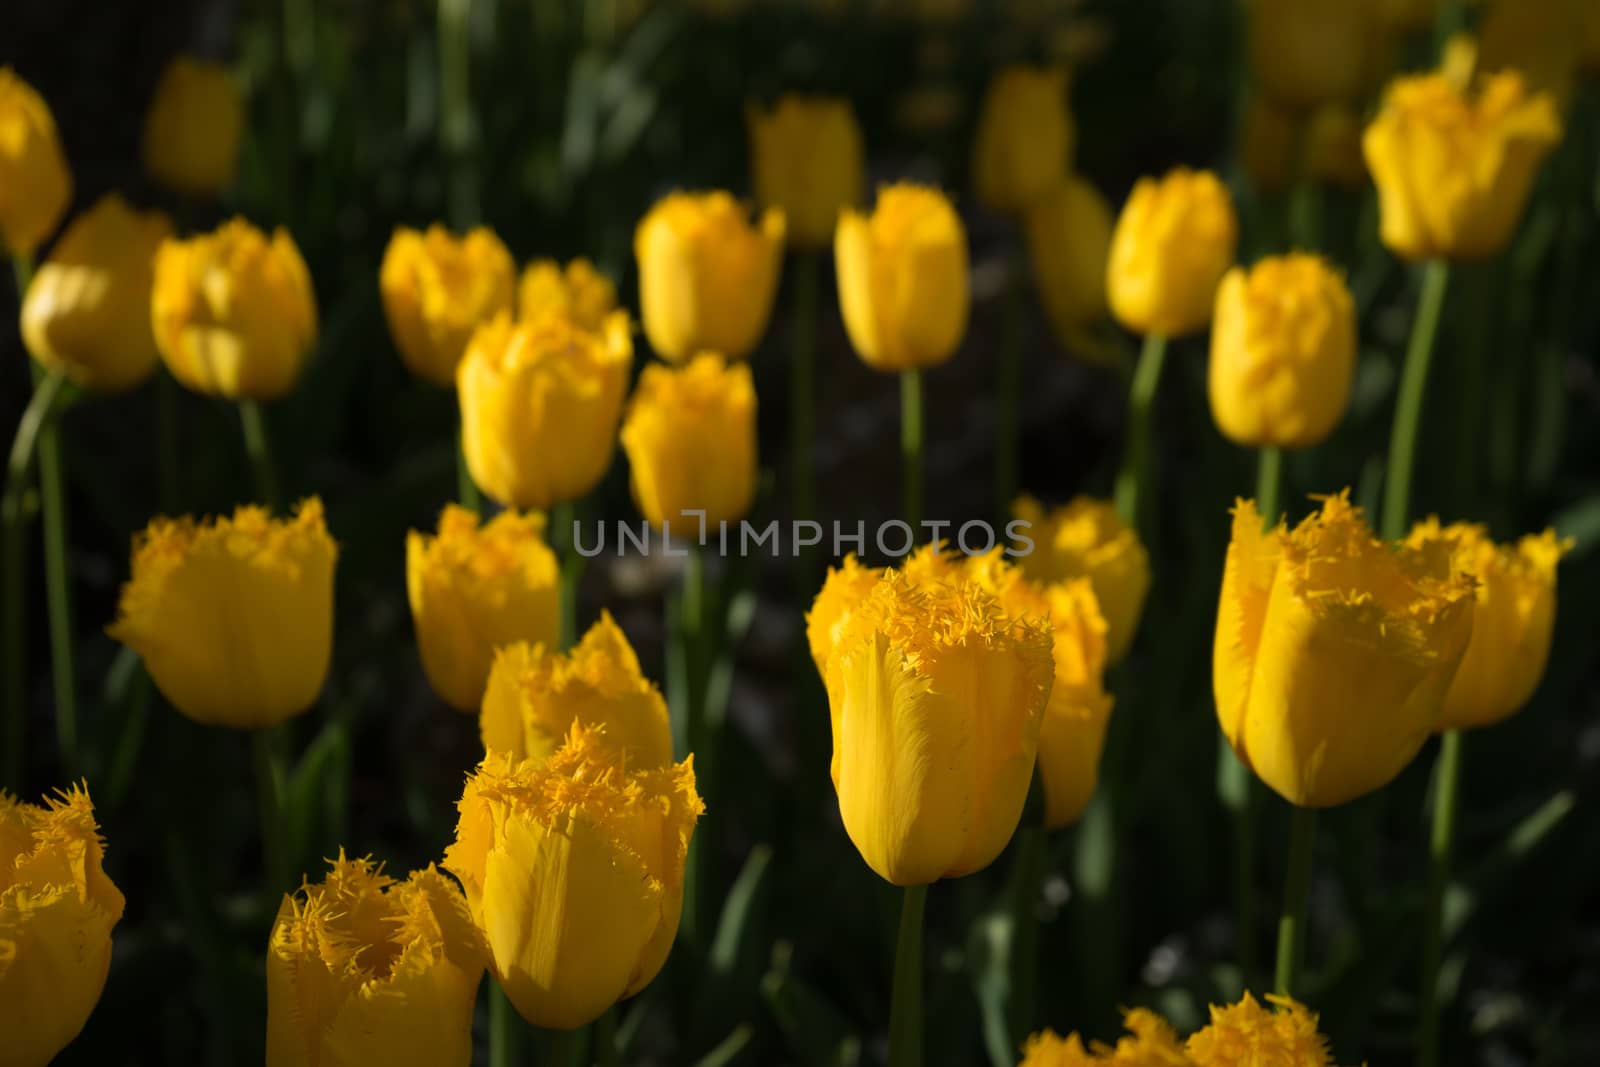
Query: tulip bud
(540, 402)
(1305, 53)
(690, 435)
(234, 617)
(808, 163)
(1283, 352)
(1025, 137)
(193, 128)
(475, 589)
(1512, 621)
(57, 909)
(35, 184)
(1172, 244)
(364, 969)
(87, 310)
(233, 313)
(707, 277)
(903, 285)
(578, 292)
(438, 289)
(573, 869)
(1068, 230)
(1286, 1034)
(1333, 652)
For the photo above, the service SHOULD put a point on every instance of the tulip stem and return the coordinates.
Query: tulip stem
(802, 387)
(911, 444)
(1296, 892)
(566, 1047)
(1025, 930)
(1447, 781)
(1269, 485)
(259, 448)
(1408, 405)
(466, 489)
(505, 1029)
(905, 1008)
(605, 1038)
(1133, 478)
(563, 517)
(269, 798)
(58, 593)
(1008, 390)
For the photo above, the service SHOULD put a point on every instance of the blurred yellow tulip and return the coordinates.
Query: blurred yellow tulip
(1305, 53)
(1286, 1033)
(1025, 137)
(808, 162)
(1172, 244)
(35, 183)
(193, 128)
(437, 289)
(577, 292)
(1068, 230)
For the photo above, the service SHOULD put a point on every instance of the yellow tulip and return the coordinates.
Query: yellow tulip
(707, 277)
(1025, 137)
(57, 909)
(807, 161)
(1285, 1034)
(87, 311)
(193, 128)
(233, 616)
(476, 589)
(1283, 352)
(1150, 1042)
(437, 289)
(1085, 539)
(364, 969)
(690, 435)
(1305, 53)
(535, 695)
(1512, 621)
(578, 292)
(233, 312)
(1333, 652)
(903, 285)
(1068, 230)
(1454, 166)
(1172, 244)
(35, 184)
(573, 869)
(540, 402)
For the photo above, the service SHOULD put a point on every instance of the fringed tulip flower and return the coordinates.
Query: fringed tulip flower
(1085, 539)
(1173, 242)
(193, 128)
(1150, 1042)
(576, 292)
(808, 162)
(437, 290)
(1251, 1033)
(1025, 137)
(1068, 231)
(35, 183)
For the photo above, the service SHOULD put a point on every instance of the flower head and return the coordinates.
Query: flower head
(1248, 1034)
(1172, 244)
(577, 292)
(193, 128)
(35, 182)
(1025, 137)
(1084, 538)
(808, 162)
(437, 289)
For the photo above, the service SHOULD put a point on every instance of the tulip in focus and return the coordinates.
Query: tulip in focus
(438, 289)
(1068, 230)
(1247, 1032)
(364, 969)
(87, 310)
(808, 162)
(233, 616)
(193, 128)
(577, 292)
(57, 909)
(1172, 244)
(1085, 539)
(1306, 53)
(1025, 137)
(573, 868)
(35, 184)
(474, 589)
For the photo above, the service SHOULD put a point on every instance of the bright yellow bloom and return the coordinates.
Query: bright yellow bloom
(57, 908)
(1172, 244)
(87, 312)
(1025, 137)
(578, 292)
(364, 969)
(193, 128)
(1283, 352)
(540, 401)
(437, 289)
(35, 184)
(690, 435)
(1068, 230)
(475, 589)
(1247, 1033)
(573, 868)
(1454, 166)
(536, 694)
(707, 277)
(903, 285)
(233, 312)
(233, 616)
(1512, 622)
(1305, 53)
(1333, 652)
(1049, 1049)
(1150, 1042)
(808, 162)
(1084, 539)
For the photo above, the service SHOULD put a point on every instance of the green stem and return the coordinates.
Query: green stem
(1134, 478)
(269, 773)
(167, 442)
(1234, 788)
(689, 727)
(562, 518)
(1269, 485)
(905, 1006)
(1008, 394)
(605, 1038)
(911, 445)
(1025, 930)
(802, 387)
(566, 1048)
(1408, 405)
(1447, 783)
(1296, 892)
(455, 110)
(259, 448)
(505, 1029)
(467, 494)
(58, 595)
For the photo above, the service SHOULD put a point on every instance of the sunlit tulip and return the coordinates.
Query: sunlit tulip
(707, 275)
(903, 285)
(35, 184)
(57, 909)
(1084, 539)
(540, 400)
(233, 616)
(1333, 652)
(1149, 1042)
(1025, 137)
(1512, 621)
(807, 161)
(1068, 231)
(364, 969)
(1283, 352)
(1172, 244)
(573, 869)
(690, 435)
(233, 311)
(475, 589)
(576, 291)
(87, 311)
(1251, 1033)
(193, 128)
(437, 289)
(1305, 53)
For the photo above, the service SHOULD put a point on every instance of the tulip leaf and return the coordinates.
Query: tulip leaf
(817, 1032)
(730, 1047)
(989, 947)
(729, 945)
